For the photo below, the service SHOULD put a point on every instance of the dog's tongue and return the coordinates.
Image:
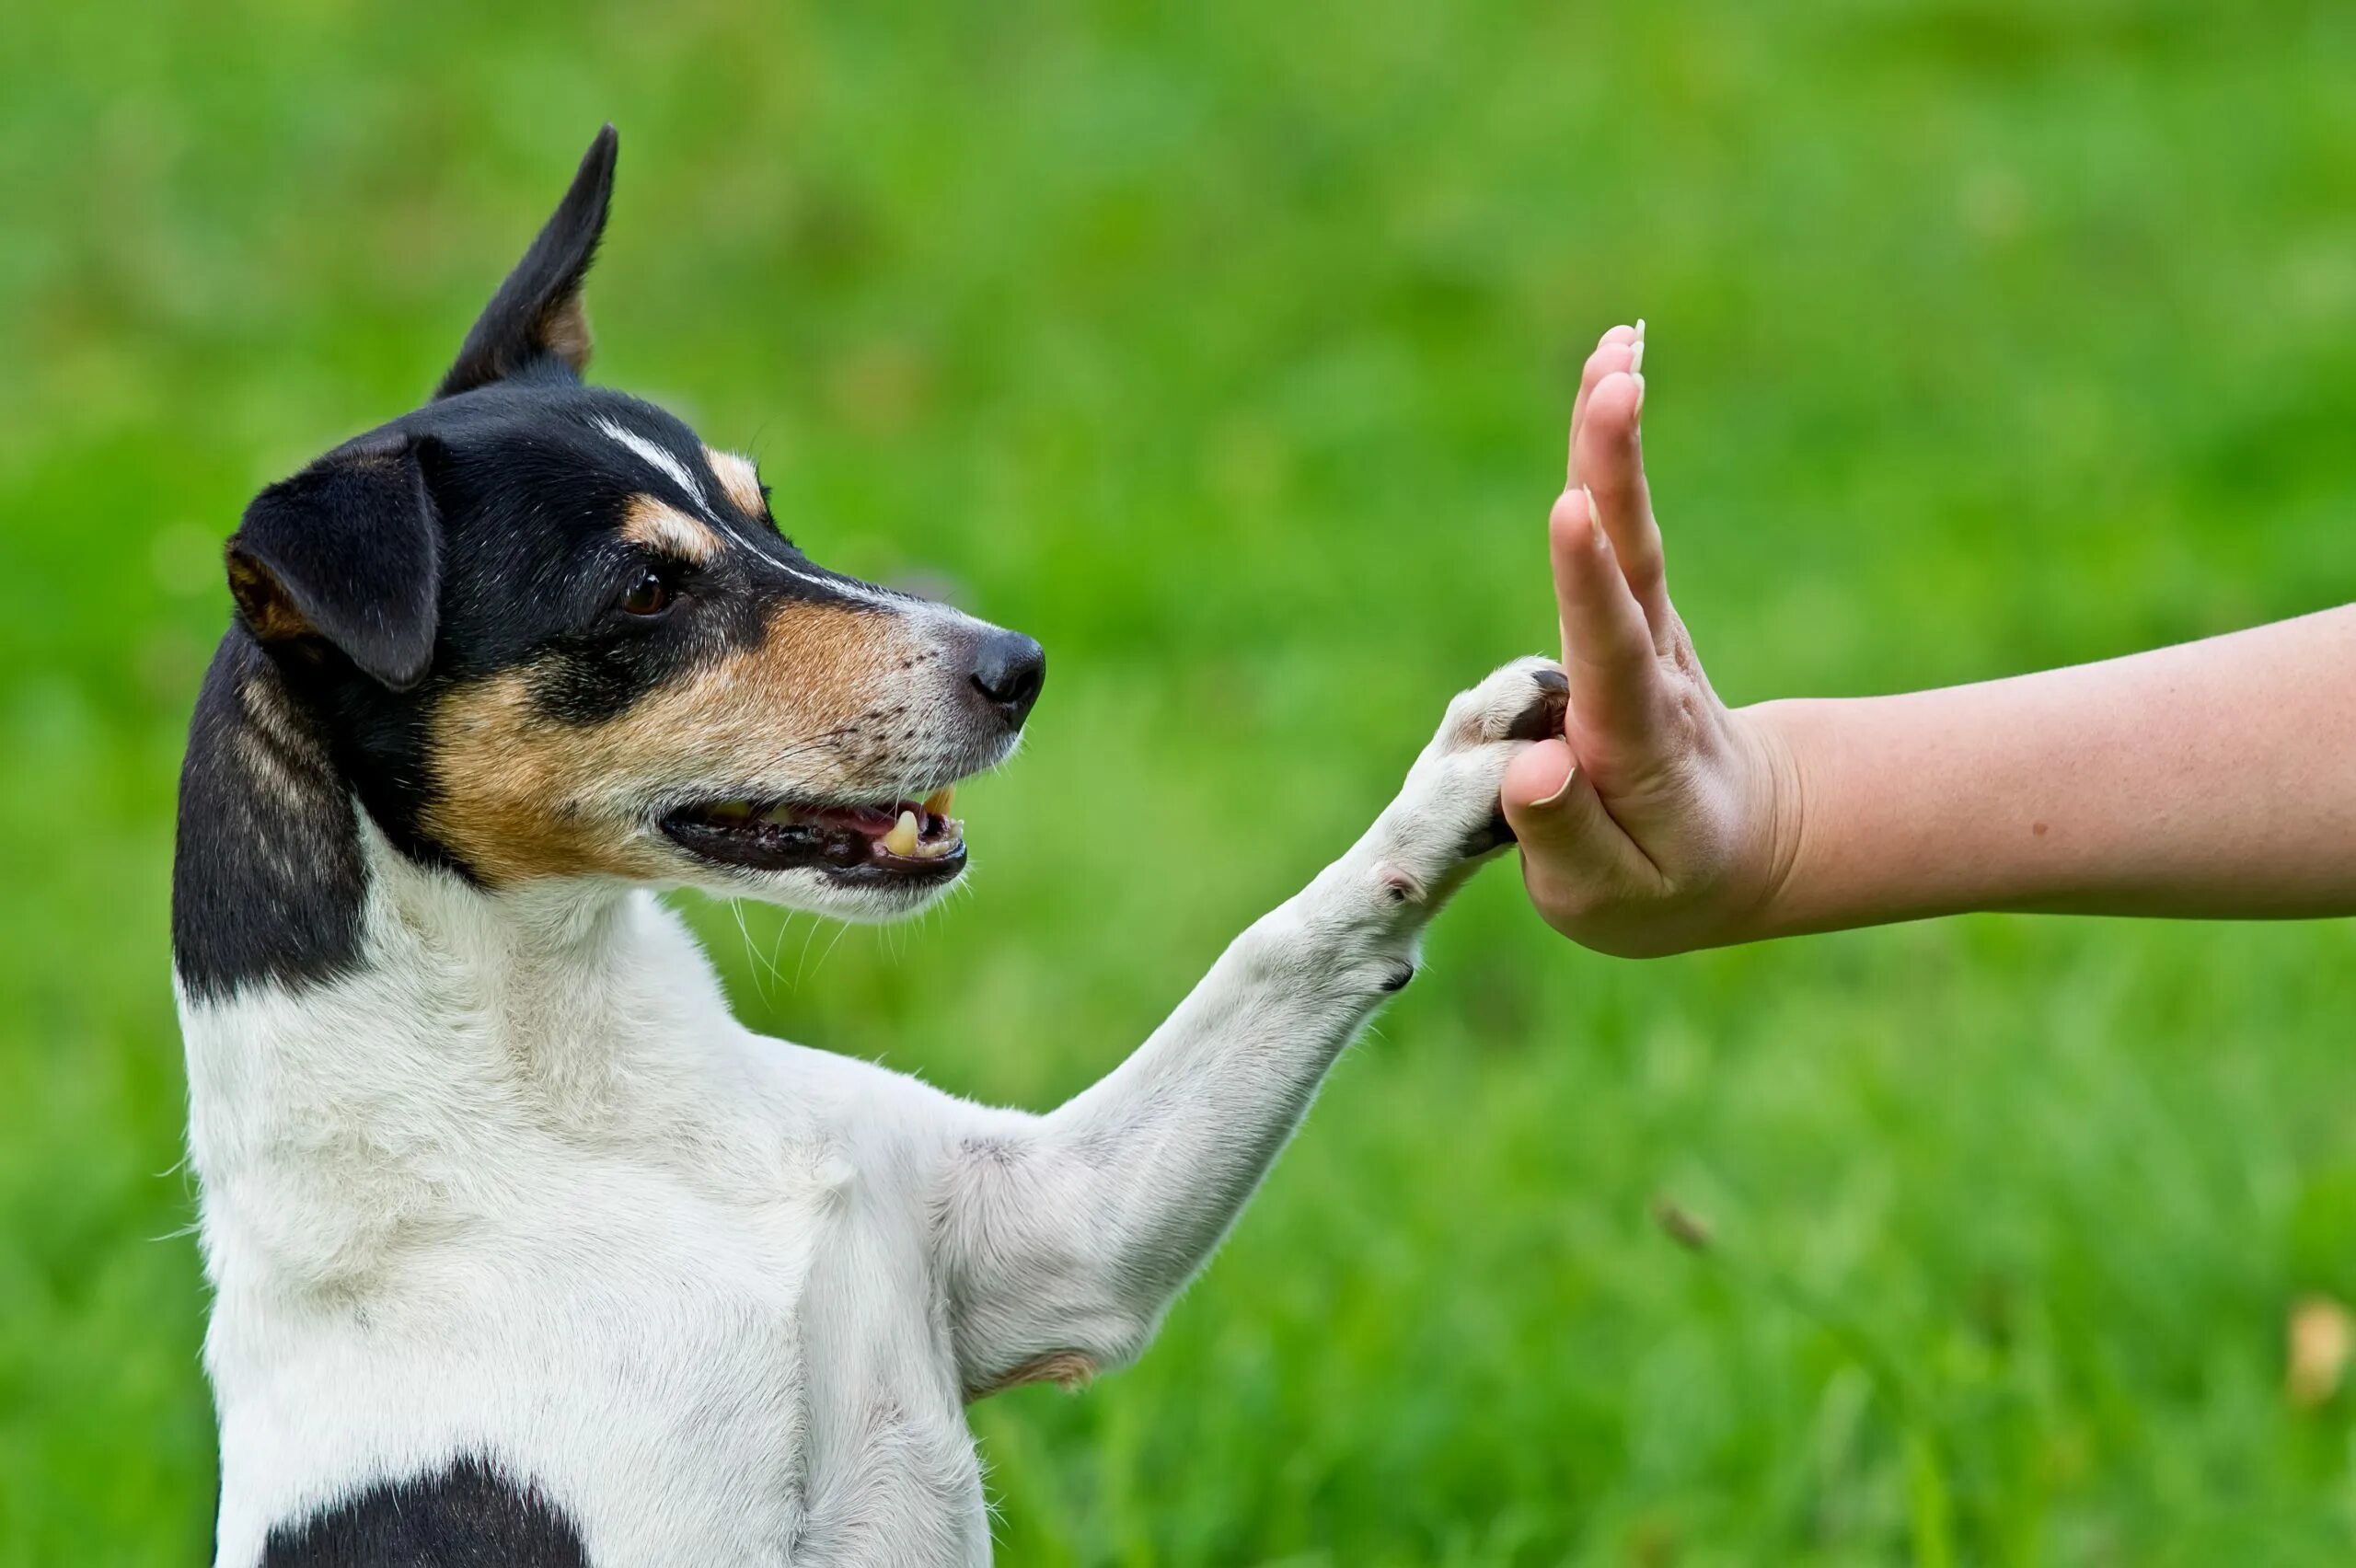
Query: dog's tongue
(898, 829)
(872, 820)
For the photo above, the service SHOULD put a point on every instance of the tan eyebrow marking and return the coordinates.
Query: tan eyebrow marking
(666, 529)
(738, 481)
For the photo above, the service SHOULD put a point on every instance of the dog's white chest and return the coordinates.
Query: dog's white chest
(703, 1344)
(690, 1379)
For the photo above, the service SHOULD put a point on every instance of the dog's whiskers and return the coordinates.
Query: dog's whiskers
(752, 959)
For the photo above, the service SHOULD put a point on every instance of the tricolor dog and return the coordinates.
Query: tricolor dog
(524, 1250)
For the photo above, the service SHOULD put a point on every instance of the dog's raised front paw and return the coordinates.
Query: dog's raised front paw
(1447, 812)
(1524, 700)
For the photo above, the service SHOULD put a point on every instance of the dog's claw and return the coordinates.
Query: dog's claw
(1543, 718)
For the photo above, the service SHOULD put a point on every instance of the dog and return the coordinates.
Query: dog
(522, 1250)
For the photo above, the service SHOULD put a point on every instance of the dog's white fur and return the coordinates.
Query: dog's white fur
(522, 1188)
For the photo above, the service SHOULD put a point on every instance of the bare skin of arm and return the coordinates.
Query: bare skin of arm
(2216, 780)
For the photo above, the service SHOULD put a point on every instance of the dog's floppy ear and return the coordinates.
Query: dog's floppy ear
(535, 321)
(348, 552)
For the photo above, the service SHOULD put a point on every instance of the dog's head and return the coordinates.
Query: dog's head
(549, 633)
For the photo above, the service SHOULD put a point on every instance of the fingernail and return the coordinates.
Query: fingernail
(1594, 521)
(1636, 350)
(1559, 789)
(1638, 411)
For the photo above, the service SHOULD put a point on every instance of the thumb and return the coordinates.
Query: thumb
(1554, 811)
(1572, 853)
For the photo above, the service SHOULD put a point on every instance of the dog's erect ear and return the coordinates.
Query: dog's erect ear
(535, 321)
(347, 552)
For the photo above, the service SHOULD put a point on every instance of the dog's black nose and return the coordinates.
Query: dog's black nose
(1008, 670)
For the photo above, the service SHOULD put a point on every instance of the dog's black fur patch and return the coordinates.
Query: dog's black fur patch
(469, 1515)
(267, 878)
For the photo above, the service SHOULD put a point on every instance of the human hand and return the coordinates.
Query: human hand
(1660, 820)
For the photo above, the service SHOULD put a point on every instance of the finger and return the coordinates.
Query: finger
(1611, 460)
(1609, 354)
(1607, 646)
(1613, 352)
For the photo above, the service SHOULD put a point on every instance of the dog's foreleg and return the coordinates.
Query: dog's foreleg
(1063, 1238)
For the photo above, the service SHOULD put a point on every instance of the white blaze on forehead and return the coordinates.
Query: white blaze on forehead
(670, 465)
(850, 588)
(661, 459)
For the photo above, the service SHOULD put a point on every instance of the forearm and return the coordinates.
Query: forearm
(1068, 1235)
(2217, 778)
(1063, 1238)
(1180, 1133)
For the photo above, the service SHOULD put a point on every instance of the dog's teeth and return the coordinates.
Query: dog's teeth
(902, 839)
(952, 838)
(781, 816)
(731, 811)
(938, 802)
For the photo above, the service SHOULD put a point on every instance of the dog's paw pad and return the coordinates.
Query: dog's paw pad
(1547, 709)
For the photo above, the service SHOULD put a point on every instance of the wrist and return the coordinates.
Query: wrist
(1778, 758)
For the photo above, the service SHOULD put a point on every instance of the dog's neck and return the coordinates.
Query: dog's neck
(367, 1035)
(283, 881)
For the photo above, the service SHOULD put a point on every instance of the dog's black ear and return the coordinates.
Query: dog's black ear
(535, 321)
(347, 553)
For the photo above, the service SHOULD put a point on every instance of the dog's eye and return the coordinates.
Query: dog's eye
(650, 595)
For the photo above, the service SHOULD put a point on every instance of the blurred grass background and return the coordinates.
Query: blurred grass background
(1225, 348)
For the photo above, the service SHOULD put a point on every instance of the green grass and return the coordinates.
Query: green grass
(1225, 348)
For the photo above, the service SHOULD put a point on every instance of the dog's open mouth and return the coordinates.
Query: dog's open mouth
(901, 841)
